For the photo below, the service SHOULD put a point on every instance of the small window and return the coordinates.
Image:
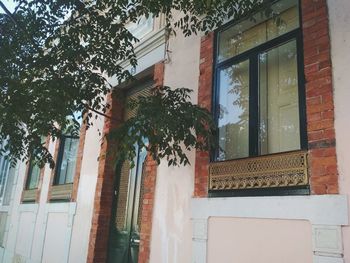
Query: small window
(4, 172)
(33, 172)
(66, 161)
(68, 153)
(33, 176)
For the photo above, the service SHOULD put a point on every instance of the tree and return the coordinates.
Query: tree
(55, 60)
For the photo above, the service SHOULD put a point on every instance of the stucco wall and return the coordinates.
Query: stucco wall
(172, 227)
(340, 50)
(86, 194)
(244, 240)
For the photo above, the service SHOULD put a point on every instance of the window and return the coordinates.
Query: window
(67, 158)
(4, 173)
(259, 95)
(68, 153)
(33, 176)
(142, 27)
(31, 191)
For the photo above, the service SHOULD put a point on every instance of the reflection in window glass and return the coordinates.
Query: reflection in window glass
(4, 172)
(33, 176)
(141, 28)
(3, 219)
(279, 107)
(260, 28)
(67, 160)
(233, 120)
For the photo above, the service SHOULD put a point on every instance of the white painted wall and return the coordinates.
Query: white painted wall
(53, 232)
(171, 226)
(86, 195)
(339, 16)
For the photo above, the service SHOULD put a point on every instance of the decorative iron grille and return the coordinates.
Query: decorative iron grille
(277, 170)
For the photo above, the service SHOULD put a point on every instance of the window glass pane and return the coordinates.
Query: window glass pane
(9, 186)
(33, 176)
(69, 158)
(279, 106)
(141, 28)
(4, 169)
(123, 193)
(233, 121)
(3, 219)
(263, 26)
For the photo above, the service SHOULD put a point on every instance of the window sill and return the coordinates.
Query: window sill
(61, 192)
(29, 195)
(278, 172)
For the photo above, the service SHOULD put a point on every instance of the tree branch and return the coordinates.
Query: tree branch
(3, 6)
(99, 113)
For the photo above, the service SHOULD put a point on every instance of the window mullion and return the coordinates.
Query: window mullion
(253, 105)
(215, 109)
(301, 92)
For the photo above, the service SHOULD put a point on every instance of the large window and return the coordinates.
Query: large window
(258, 98)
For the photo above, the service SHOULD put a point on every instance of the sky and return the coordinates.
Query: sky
(9, 4)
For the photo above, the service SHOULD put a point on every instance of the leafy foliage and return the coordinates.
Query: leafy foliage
(170, 122)
(56, 57)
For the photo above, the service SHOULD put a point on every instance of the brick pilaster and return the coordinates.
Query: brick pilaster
(319, 97)
(99, 233)
(204, 100)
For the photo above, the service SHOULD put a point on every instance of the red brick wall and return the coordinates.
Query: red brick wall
(98, 244)
(319, 100)
(99, 233)
(149, 183)
(204, 100)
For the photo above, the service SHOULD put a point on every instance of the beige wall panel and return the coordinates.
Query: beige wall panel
(238, 240)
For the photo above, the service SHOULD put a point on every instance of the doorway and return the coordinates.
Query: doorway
(124, 238)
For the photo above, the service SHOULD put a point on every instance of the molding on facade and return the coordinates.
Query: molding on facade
(326, 213)
(318, 209)
(321, 259)
(149, 51)
(148, 44)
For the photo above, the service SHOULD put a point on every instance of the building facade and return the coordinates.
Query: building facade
(275, 190)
